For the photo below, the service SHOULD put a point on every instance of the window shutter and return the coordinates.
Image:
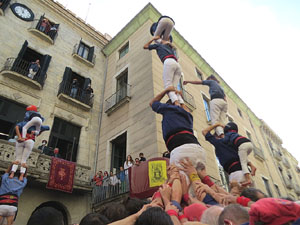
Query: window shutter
(39, 23)
(44, 67)
(4, 5)
(23, 50)
(67, 75)
(91, 54)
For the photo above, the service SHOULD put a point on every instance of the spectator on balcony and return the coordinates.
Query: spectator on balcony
(218, 104)
(137, 162)
(45, 25)
(43, 147)
(10, 191)
(52, 32)
(128, 163)
(114, 183)
(33, 68)
(122, 179)
(88, 94)
(142, 158)
(105, 184)
(56, 153)
(98, 178)
(74, 88)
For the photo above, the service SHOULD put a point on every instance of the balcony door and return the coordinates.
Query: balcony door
(118, 155)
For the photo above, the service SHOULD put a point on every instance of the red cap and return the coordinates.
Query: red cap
(274, 211)
(31, 108)
(194, 211)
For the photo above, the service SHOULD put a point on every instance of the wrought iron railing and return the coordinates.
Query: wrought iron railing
(117, 97)
(188, 98)
(110, 187)
(49, 30)
(21, 66)
(76, 93)
(76, 51)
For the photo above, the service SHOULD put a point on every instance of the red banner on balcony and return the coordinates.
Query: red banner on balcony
(62, 174)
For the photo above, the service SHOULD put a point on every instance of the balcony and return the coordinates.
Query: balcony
(258, 153)
(47, 34)
(288, 182)
(18, 69)
(189, 100)
(39, 166)
(277, 155)
(297, 189)
(77, 98)
(102, 193)
(86, 61)
(286, 163)
(118, 99)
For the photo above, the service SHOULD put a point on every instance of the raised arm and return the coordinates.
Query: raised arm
(146, 46)
(192, 82)
(160, 96)
(210, 128)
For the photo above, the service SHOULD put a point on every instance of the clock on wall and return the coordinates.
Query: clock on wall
(22, 11)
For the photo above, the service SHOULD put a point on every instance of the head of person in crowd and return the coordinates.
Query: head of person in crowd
(212, 77)
(133, 205)
(94, 219)
(274, 211)
(121, 168)
(234, 214)
(111, 173)
(105, 174)
(200, 167)
(129, 159)
(137, 161)
(235, 188)
(253, 193)
(46, 216)
(115, 211)
(44, 142)
(194, 211)
(211, 215)
(154, 215)
(100, 173)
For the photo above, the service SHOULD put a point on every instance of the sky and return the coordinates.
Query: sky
(254, 45)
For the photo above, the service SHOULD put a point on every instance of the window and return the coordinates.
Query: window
(277, 190)
(224, 176)
(267, 186)
(124, 50)
(47, 27)
(249, 136)
(122, 83)
(240, 112)
(199, 74)
(206, 108)
(83, 50)
(118, 154)
(10, 114)
(270, 145)
(64, 136)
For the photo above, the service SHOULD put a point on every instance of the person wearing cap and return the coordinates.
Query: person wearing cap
(177, 130)
(171, 69)
(163, 28)
(217, 104)
(243, 146)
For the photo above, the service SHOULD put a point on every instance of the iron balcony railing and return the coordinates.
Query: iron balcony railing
(50, 30)
(21, 66)
(76, 51)
(110, 187)
(188, 98)
(76, 93)
(118, 97)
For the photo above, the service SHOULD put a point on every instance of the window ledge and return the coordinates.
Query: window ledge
(114, 107)
(41, 35)
(72, 101)
(22, 79)
(83, 60)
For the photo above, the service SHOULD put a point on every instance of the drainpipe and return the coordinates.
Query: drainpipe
(100, 115)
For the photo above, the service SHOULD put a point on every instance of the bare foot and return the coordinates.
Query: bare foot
(253, 170)
(12, 174)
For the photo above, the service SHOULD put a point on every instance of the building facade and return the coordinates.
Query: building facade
(98, 130)
(67, 49)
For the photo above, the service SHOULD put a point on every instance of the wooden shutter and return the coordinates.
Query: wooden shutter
(65, 84)
(4, 5)
(23, 50)
(91, 54)
(44, 67)
(67, 75)
(39, 23)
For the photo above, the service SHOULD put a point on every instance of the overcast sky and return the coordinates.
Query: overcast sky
(252, 44)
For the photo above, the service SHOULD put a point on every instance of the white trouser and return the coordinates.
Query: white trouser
(218, 110)
(23, 150)
(171, 77)
(31, 73)
(35, 121)
(194, 152)
(165, 24)
(244, 150)
(237, 176)
(7, 210)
